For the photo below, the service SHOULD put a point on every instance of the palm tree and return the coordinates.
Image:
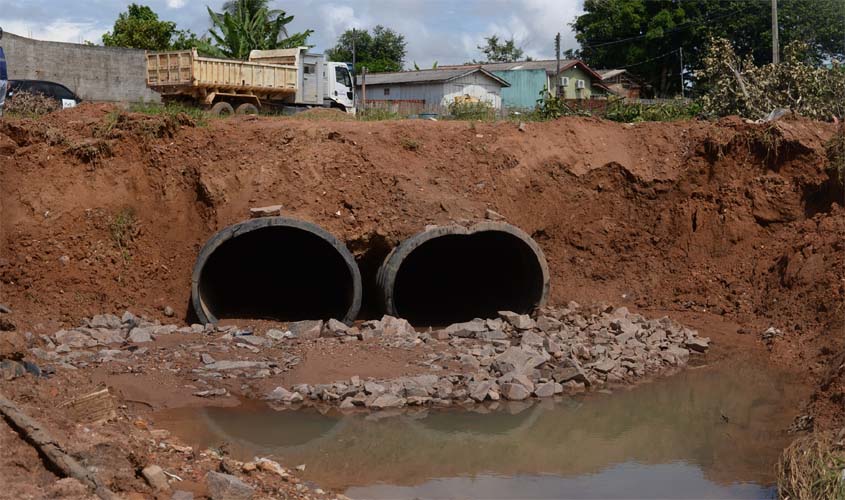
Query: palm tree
(246, 25)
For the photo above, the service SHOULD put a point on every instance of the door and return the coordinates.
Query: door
(309, 84)
(342, 90)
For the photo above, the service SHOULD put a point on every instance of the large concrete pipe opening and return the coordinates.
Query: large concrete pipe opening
(452, 273)
(275, 268)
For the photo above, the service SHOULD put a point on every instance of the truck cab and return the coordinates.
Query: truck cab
(320, 82)
(341, 92)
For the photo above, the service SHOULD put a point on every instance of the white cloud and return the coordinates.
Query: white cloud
(59, 30)
(176, 4)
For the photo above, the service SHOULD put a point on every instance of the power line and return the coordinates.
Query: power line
(647, 60)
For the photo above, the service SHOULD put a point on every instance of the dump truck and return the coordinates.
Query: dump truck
(286, 79)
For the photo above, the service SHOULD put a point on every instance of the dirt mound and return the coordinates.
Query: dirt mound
(326, 114)
(732, 218)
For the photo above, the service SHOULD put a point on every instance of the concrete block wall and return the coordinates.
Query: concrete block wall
(93, 73)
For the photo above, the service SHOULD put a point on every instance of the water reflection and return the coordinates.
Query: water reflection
(713, 432)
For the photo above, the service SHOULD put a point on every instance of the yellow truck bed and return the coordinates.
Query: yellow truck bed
(185, 72)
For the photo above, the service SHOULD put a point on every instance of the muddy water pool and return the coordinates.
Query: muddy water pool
(709, 432)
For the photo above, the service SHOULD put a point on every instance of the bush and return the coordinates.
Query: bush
(736, 86)
(467, 110)
(25, 103)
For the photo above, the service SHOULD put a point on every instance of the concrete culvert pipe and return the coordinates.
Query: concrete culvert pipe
(275, 268)
(452, 273)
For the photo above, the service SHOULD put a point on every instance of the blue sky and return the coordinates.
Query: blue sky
(436, 30)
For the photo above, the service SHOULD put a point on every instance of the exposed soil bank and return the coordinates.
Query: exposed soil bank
(729, 219)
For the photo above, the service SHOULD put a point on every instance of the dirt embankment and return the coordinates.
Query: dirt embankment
(100, 211)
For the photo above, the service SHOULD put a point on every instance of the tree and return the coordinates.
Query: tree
(383, 50)
(500, 51)
(647, 35)
(246, 25)
(140, 28)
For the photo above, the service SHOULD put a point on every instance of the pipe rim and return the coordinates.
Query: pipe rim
(394, 259)
(233, 231)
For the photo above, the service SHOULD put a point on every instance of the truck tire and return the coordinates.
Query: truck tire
(222, 109)
(247, 109)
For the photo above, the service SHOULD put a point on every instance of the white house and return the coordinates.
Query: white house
(432, 88)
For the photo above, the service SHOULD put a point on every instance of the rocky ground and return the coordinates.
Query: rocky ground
(560, 351)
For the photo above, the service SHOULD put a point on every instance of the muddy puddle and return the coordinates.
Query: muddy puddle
(710, 432)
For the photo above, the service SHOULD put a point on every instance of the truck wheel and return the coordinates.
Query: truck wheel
(247, 109)
(222, 109)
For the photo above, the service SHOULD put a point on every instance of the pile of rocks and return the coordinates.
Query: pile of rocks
(515, 356)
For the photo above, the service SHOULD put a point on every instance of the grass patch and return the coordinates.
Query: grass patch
(410, 144)
(375, 114)
(835, 149)
(620, 110)
(123, 228)
(172, 110)
(812, 467)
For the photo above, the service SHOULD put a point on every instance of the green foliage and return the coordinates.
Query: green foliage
(383, 50)
(621, 110)
(496, 50)
(140, 28)
(172, 110)
(246, 25)
(736, 86)
(468, 110)
(550, 107)
(417, 66)
(648, 33)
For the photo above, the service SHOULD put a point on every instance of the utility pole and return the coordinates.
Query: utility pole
(775, 47)
(681, 52)
(363, 89)
(353, 49)
(557, 57)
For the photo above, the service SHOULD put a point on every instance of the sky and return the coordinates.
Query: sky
(446, 31)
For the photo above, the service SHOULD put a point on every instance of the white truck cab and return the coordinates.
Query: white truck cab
(321, 82)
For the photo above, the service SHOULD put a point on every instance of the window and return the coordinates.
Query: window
(387, 91)
(341, 76)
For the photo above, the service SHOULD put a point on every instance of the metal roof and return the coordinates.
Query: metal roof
(427, 76)
(610, 73)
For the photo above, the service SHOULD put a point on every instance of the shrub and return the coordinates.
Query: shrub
(736, 86)
(467, 110)
(25, 103)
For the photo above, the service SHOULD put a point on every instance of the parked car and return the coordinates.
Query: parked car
(50, 89)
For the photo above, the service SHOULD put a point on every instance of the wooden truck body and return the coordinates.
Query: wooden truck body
(284, 77)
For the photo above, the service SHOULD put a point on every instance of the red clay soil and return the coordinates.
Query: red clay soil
(102, 211)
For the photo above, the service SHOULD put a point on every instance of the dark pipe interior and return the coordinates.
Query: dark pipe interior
(276, 272)
(460, 277)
